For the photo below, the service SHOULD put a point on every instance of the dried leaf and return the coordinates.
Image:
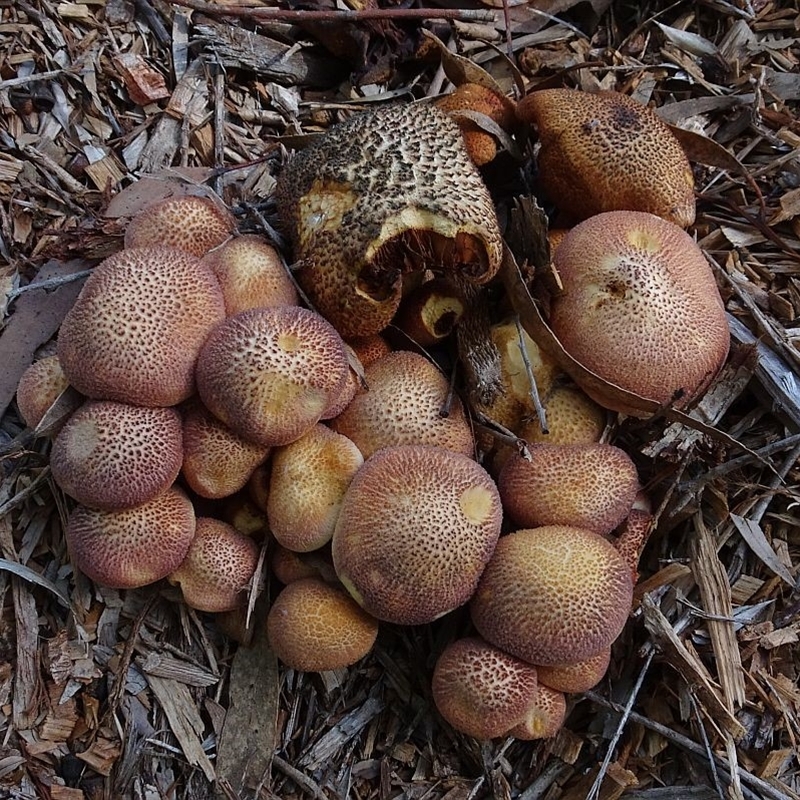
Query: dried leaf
(706, 151)
(687, 41)
(460, 70)
(752, 533)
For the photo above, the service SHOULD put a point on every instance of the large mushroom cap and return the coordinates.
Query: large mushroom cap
(640, 308)
(271, 373)
(384, 192)
(131, 548)
(137, 326)
(113, 455)
(604, 151)
(553, 595)
(415, 531)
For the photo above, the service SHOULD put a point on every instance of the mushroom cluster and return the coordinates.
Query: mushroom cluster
(217, 407)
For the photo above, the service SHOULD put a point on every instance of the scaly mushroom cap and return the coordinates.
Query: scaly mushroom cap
(417, 526)
(604, 152)
(572, 418)
(314, 627)
(135, 547)
(553, 595)
(217, 568)
(480, 690)
(385, 192)
(38, 388)
(369, 348)
(401, 406)
(590, 486)
(544, 716)
(251, 274)
(216, 461)
(193, 224)
(578, 677)
(112, 456)
(137, 326)
(308, 481)
(270, 373)
(640, 308)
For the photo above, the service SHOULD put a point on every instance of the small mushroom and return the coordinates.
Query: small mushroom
(429, 313)
(480, 690)
(218, 567)
(313, 626)
(580, 676)
(553, 595)
(544, 717)
(42, 383)
(191, 223)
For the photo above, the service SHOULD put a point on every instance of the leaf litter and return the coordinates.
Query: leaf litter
(106, 694)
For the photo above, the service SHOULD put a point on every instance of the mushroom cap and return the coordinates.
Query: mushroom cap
(604, 151)
(577, 677)
(217, 568)
(401, 405)
(112, 456)
(429, 313)
(216, 461)
(39, 387)
(553, 595)
(270, 373)
(137, 326)
(590, 486)
(307, 484)
(132, 548)
(190, 223)
(480, 690)
(386, 191)
(544, 717)
(400, 564)
(369, 348)
(251, 274)
(313, 626)
(640, 308)
(572, 418)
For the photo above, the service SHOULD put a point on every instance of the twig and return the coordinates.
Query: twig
(707, 745)
(33, 78)
(301, 15)
(50, 283)
(300, 778)
(534, 390)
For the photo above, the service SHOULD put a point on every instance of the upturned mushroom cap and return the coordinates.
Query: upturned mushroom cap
(137, 326)
(190, 223)
(217, 568)
(417, 526)
(314, 627)
(135, 547)
(270, 373)
(590, 486)
(385, 192)
(578, 677)
(553, 595)
(113, 456)
(604, 151)
(401, 405)
(480, 690)
(251, 274)
(545, 715)
(640, 308)
(429, 313)
(38, 388)
(216, 461)
(308, 481)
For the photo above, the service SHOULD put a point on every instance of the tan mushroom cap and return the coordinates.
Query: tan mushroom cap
(429, 313)
(135, 547)
(640, 308)
(38, 388)
(417, 526)
(577, 677)
(217, 568)
(217, 462)
(308, 482)
(313, 626)
(270, 373)
(545, 715)
(572, 418)
(553, 595)
(369, 348)
(402, 405)
(190, 223)
(480, 690)
(251, 274)
(112, 456)
(604, 151)
(590, 486)
(137, 326)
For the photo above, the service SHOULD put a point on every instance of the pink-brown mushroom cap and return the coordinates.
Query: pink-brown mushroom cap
(39, 387)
